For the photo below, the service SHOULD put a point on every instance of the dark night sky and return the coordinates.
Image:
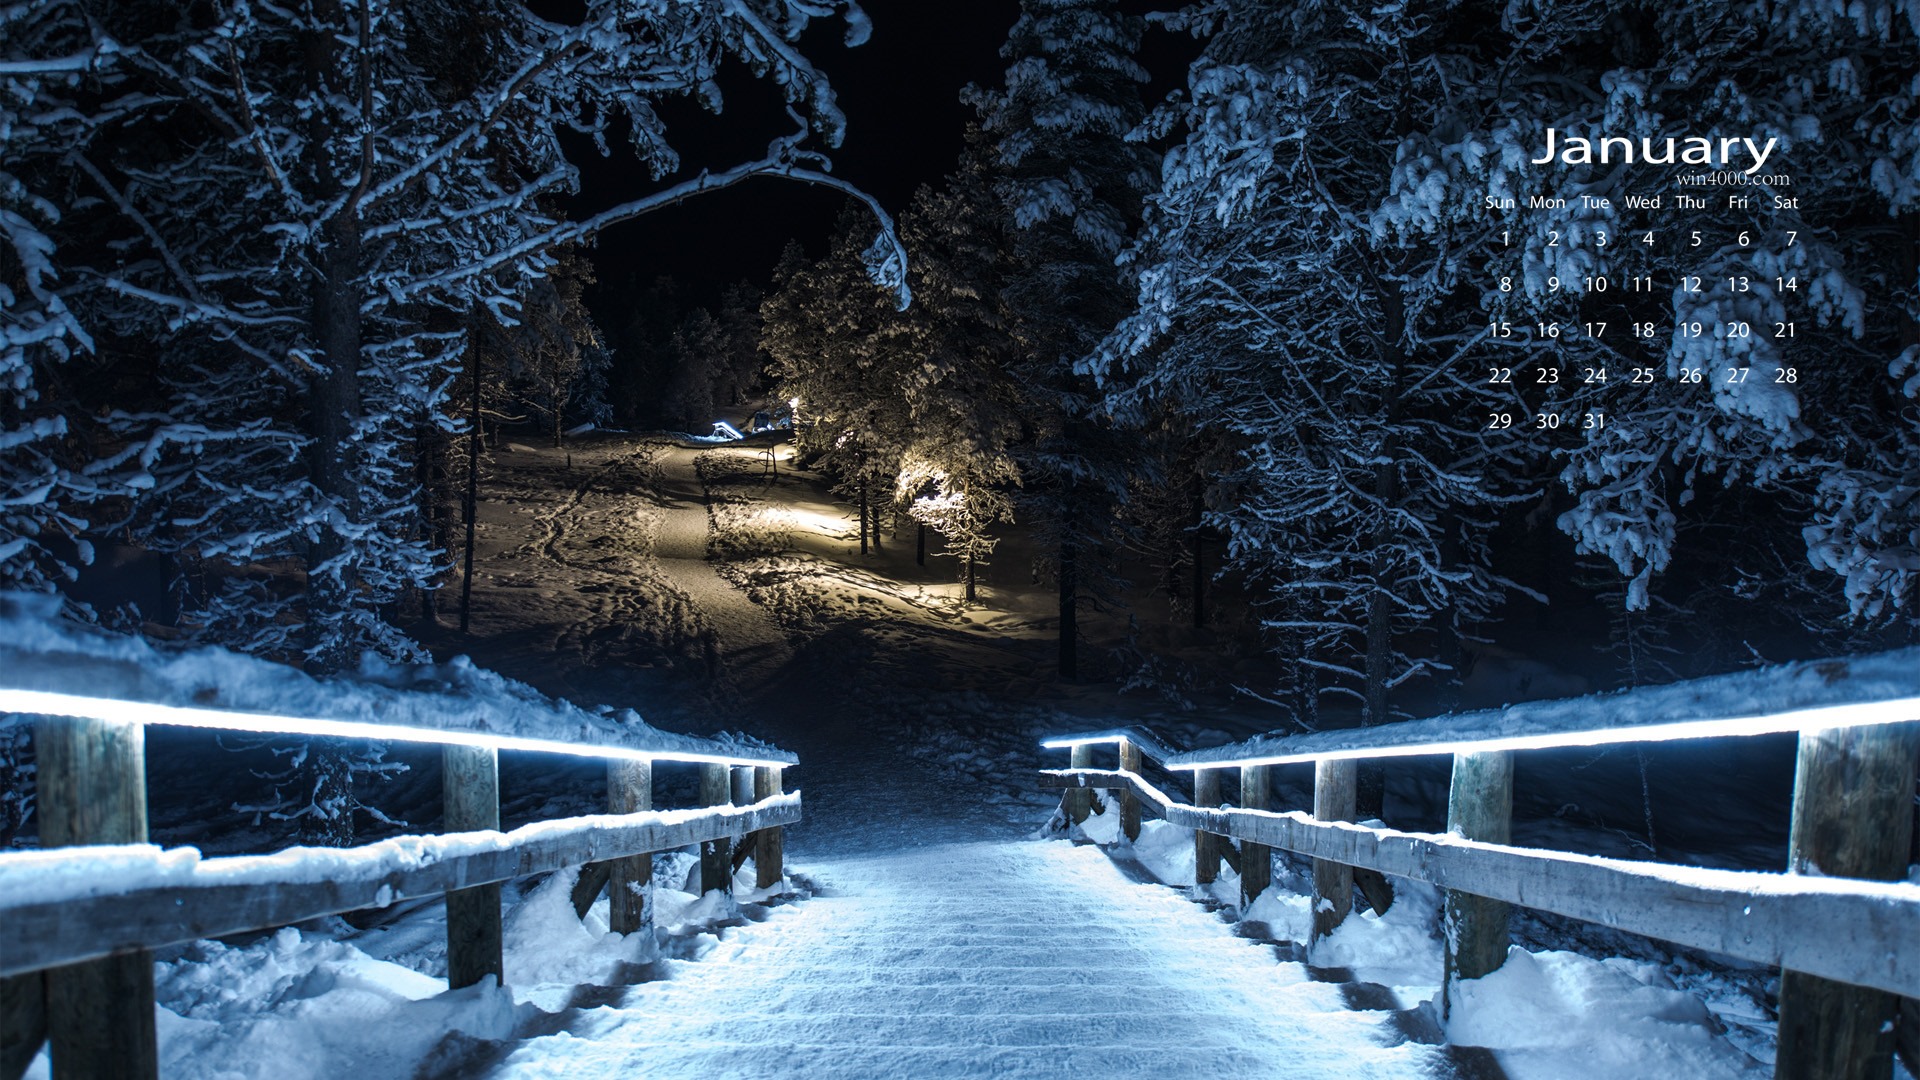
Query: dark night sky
(901, 94)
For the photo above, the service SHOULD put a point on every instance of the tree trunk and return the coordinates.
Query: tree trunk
(328, 777)
(470, 507)
(1386, 490)
(920, 545)
(863, 513)
(333, 409)
(1199, 566)
(1069, 612)
(971, 594)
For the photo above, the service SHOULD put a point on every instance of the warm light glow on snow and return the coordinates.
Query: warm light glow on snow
(114, 710)
(1860, 714)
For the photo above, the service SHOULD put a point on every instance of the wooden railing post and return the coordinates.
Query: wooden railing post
(1077, 803)
(1335, 788)
(91, 788)
(1852, 817)
(470, 790)
(1206, 845)
(630, 882)
(716, 856)
(1256, 860)
(769, 852)
(1479, 807)
(1129, 800)
(23, 1022)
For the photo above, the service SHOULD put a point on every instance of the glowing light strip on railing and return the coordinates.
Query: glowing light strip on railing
(1860, 714)
(115, 710)
(1069, 742)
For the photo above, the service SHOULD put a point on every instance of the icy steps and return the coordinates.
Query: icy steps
(986, 959)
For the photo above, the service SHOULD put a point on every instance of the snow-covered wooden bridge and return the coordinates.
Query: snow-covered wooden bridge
(966, 957)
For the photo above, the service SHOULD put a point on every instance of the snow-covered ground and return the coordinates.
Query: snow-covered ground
(928, 930)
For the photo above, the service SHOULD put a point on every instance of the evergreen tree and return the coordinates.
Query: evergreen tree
(826, 330)
(1290, 306)
(1071, 184)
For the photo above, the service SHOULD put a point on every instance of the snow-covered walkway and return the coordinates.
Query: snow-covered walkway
(1009, 958)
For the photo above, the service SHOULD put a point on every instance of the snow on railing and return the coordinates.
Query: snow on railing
(78, 917)
(1841, 924)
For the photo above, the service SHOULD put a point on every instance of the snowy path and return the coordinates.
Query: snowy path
(979, 959)
(748, 648)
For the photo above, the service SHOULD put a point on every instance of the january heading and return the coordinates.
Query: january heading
(1694, 150)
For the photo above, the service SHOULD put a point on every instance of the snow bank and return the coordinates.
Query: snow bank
(1558, 1014)
(544, 942)
(294, 1006)
(1811, 684)
(40, 651)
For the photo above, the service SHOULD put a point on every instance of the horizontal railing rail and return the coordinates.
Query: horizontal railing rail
(1842, 926)
(42, 927)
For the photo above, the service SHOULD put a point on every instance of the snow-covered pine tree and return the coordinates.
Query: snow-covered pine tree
(1783, 359)
(551, 342)
(46, 62)
(825, 327)
(1071, 183)
(744, 366)
(698, 348)
(1304, 298)
(297, 207)
(958, 472)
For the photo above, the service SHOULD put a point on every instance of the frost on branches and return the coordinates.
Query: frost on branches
(1800, 406)
(44, 63)
(1290, 310)
(291, 215)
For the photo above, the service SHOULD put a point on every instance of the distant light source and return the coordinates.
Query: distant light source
(1858, 714)
(117, 710)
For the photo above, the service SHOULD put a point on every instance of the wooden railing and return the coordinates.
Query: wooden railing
(76, 925)
(1842, 926)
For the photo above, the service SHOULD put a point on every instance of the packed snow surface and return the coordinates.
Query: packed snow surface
(980, 959)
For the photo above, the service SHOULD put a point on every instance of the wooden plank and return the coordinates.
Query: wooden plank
(630, 878)
(589, 885)
(61, 931)
(1852, 818)
(1206, 845)
(470, 790)
(1077, 803)
(23, 1022)
(770, 845)
(1865, 929)
(1129, 802)
(716, 853)
(1479, 807)
(1336, 790)
(91, 788)
(1256, 859)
